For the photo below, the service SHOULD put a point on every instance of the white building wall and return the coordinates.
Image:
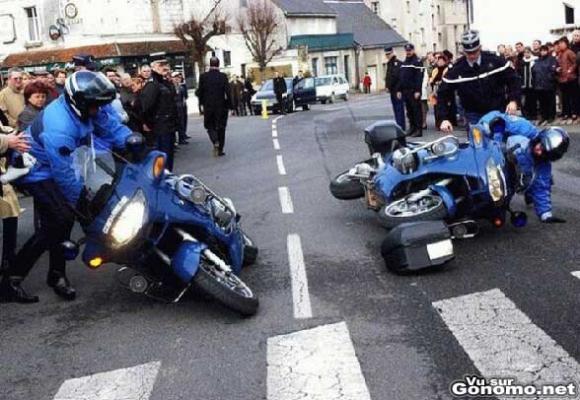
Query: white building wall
(519, 20)
(310, 26)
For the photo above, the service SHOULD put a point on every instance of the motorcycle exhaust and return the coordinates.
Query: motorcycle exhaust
(464, 229)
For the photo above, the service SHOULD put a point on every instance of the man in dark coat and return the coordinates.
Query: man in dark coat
(280, 90)
(409, 88)
(159, 108)
(391, 81)
(214, 94)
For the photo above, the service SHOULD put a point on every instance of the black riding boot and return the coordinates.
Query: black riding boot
(61, 286)
(12, 292)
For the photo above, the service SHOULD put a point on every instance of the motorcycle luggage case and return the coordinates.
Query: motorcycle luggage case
(417, 245)
(381, 136)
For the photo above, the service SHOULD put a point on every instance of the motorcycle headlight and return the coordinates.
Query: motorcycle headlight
(495, 181)
(128, 220)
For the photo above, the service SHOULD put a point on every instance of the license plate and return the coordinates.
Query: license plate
(440, 249)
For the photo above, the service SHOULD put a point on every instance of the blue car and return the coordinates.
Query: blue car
(169, 233)
(446, 179)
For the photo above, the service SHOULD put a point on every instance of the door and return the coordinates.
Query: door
(373, 74)
(305, 92)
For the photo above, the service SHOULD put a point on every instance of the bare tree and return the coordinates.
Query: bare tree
(259, 27)
(196, 33)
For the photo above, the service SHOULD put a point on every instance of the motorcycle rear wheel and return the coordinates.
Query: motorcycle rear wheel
(227, 288)
(344, 188)
(393, 215)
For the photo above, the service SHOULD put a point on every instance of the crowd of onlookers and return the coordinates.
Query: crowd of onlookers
(549, 74)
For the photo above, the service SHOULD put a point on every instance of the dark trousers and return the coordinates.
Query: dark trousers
(530, 109)
(569, 99)
(9, 235)
(414, 110)
(281, 103)
(166, 144)
(547, 100)
(56, 220)
(399, 110)
(182, 123)
(215, 121)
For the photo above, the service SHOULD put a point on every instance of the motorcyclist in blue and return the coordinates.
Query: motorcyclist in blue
(81, 116)
(534, 152)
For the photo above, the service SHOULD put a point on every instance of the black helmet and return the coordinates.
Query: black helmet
(86, 89)
(470, 41)
(550, 144)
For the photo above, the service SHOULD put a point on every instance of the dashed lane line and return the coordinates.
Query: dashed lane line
(503, 342)
(315, 364)
(285, 200)
(298, 278)
(135, 383)
(281, 167)
(274, 133)
(276, 144)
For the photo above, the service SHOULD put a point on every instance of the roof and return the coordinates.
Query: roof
(101, 51)
(304, 8)
(368, 28)
(323, 42)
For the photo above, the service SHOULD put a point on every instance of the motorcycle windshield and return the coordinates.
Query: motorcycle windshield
(95, 167)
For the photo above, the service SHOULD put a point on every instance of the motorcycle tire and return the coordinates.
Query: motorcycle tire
(436, 214)
(250, 251)
(344, 188)
(208, 281)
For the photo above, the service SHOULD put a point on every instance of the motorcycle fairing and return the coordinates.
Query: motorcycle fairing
(185, 262)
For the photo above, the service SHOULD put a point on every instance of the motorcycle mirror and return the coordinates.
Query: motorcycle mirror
(519, 219)
(70, 250)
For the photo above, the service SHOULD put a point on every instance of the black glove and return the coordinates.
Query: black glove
(554, 220)
(83, 209)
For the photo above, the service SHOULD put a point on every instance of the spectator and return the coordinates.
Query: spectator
(248, 93)
(9, 205)
(519, 55)
(530, 106)
(298, 78)
(12, 98)
(280, 90)
(60, 79)
(84, 62)
(501, 50)
(536, 47)
(117, 105)
(391, 82)
(26, 79)
(575, 45)
(145, 72)
(435, 81)
(35, 97)
(367, 82)
(551, 48)
(113, 76)
(237, 89)
(181, 103)
(132, 108)
(544, 80)
(567, 76)
(47, 79)
(126, 89)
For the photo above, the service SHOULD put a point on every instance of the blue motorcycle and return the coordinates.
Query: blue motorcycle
(169, 233)
(458, 182)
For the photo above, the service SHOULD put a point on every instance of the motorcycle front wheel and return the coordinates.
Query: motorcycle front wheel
(427, 208)
(227, 288)
(344, 187)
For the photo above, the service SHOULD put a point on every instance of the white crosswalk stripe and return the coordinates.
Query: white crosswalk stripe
(576, 274)
(315, 364)
(135, 383)
(503, 342)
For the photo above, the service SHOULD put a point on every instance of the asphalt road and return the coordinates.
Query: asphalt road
(409, 342)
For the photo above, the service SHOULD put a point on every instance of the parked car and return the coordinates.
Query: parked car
(266, 92)
(305, 93)
(331, 87)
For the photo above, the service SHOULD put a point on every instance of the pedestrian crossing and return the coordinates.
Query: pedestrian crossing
(320, 363)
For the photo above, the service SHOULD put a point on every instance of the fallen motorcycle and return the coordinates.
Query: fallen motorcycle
(442, 180)
(169, 233)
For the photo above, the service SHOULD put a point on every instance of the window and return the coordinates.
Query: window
(227, 58)
(347, 67)
(330, 65)
(408, 6)
(375, 7)
(243, 3)
(569, 11)
(315, 66)
(33, 24)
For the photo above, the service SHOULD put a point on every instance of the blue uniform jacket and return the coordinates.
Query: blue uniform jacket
(538, 175)
(57, 132)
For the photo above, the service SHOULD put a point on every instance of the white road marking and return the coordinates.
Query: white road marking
(576, 274)
(503, 342)
(276, 119)
(135, 383)
(285, 200)
(276, 144)
(274, 133)
(299, 279)
(315, 364)
(280, 162)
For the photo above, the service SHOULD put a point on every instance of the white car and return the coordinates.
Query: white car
(331, 87)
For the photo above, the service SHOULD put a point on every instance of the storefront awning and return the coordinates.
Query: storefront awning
(61, 56)
(339, 41)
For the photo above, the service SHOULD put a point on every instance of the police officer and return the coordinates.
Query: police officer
(69, 122)
(280, 90)
(391, 81)
(409, 88)
(484, 82)
(159, 108)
